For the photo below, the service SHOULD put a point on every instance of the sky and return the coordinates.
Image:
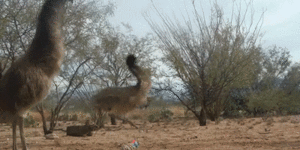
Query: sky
(281, 25)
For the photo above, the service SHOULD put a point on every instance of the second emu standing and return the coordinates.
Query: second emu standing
(120, 100)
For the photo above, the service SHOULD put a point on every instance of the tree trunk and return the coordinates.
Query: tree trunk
(52, 124)
(211, 116)
(41, 111)
(100, 123)
(113, 120)
(202, 118)
(46, 131)
(100, 120)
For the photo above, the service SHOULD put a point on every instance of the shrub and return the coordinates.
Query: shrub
(236, 113)
(164, 114)
(154, 117)
(29, 121)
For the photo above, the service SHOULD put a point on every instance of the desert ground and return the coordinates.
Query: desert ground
(282, 132)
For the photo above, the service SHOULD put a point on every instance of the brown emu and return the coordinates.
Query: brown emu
(120, 100)
(28, 80)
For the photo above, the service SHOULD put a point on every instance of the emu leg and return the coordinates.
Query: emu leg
(21, 126)
(14, 126)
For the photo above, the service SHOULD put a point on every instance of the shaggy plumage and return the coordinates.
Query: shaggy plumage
(120, 100)
(28, 80)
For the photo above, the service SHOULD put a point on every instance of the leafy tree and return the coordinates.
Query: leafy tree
(17, 27)
(291, 81)
(275, 65)
(210, 58)
(266, 93)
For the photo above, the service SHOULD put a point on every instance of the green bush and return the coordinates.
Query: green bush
(29, 122)
(275, 100)
(164, 114)
(155, 117)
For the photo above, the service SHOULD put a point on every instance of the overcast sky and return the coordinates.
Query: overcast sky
(281, 20)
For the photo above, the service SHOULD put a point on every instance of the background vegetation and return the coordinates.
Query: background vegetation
(216, 67)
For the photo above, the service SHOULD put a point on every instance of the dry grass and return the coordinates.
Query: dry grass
(284, 119)
(240, 121)
(57, 143)
(295, 119)
(138, 114)
(177, 110)
(171, 134)
(251, 120)
(228, 123)
(257, 122)
(228, 134)
(270, 121)
(36, 116)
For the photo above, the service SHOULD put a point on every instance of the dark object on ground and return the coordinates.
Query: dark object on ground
(85, 130)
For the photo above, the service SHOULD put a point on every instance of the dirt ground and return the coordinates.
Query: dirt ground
(181, 133)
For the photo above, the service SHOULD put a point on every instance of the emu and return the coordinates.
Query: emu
(28, 80)
(120, 100)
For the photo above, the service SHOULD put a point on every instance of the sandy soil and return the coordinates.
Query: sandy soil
(180, 133)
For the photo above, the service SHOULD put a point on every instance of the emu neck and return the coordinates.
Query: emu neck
(46, 49)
